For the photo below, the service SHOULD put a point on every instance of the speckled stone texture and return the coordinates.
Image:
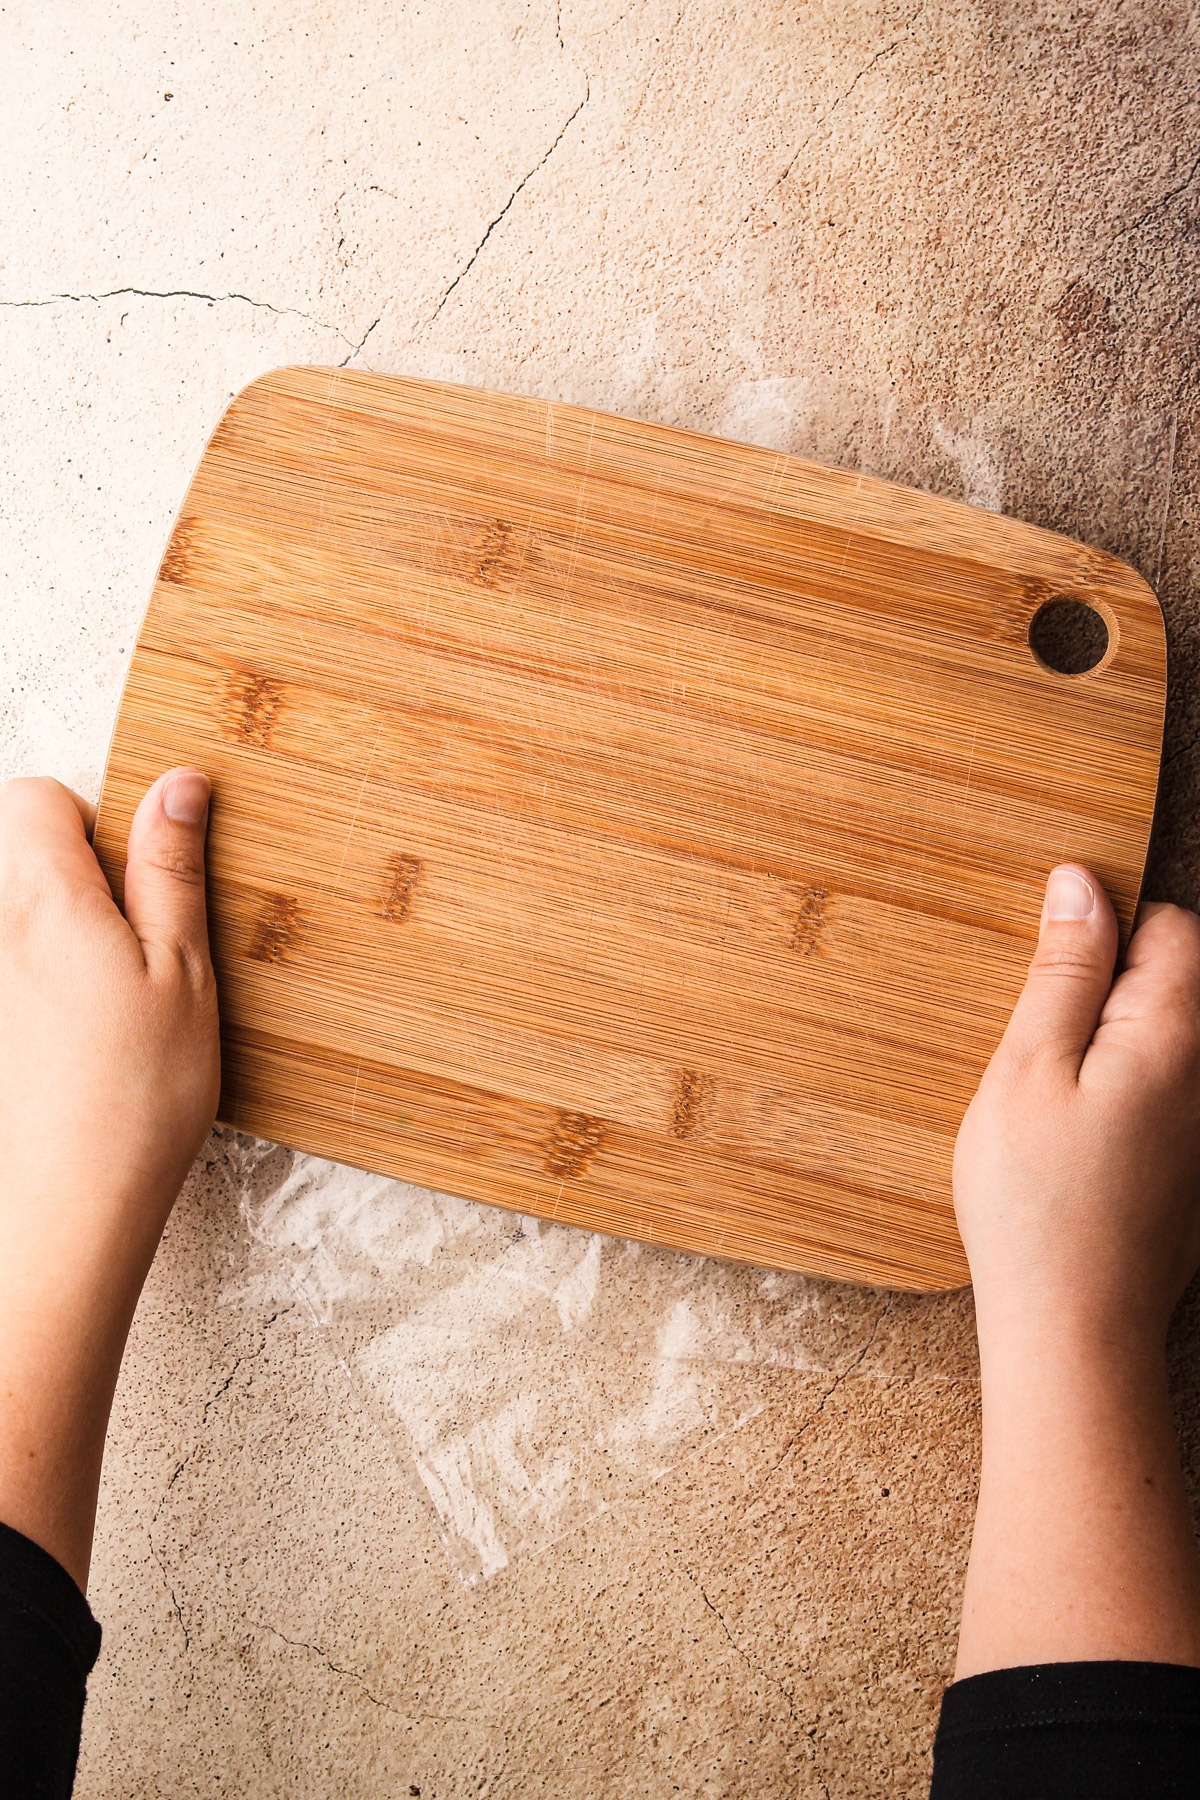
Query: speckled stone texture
(404, 1497)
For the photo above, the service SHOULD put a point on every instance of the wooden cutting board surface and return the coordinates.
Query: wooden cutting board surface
(621, 825)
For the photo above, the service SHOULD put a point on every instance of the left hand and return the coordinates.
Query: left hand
(109, 1078)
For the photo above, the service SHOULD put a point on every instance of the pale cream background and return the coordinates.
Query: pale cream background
(401, 1495)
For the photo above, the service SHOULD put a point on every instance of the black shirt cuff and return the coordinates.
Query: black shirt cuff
(1104, 1730)
(49, 1643)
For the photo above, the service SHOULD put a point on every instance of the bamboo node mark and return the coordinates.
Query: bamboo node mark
(693, 1095)
(498, 558)
(277, 928)
(253, 703)
(176, 564)
(808, 919)
(403, 874)
(573, 1142)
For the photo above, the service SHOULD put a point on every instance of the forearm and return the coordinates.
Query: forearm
(1083, 1546)
(66, 1302)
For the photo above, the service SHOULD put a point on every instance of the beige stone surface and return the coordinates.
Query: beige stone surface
(404, 1496)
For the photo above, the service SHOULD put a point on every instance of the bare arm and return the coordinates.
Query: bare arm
(1077, 1177)
(109, 1072)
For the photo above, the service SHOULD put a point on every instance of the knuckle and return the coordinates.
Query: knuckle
(23, 796)
(1175, 928)
(1064, 962)
(1182, 929)
(20, 788)
(1034, 1055)
(179, 863)
(1176, 957)
(1035, 1060)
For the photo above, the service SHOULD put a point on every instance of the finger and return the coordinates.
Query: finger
(59, 791)
(87, 813)
(44, 823)
(1071, 972)
(1158, 923)
(164, 876)
(1162, 965)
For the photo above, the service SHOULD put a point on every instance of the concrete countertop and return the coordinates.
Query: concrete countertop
(404, 1497)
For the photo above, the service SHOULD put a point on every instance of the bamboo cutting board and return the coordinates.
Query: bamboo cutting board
(620, 825)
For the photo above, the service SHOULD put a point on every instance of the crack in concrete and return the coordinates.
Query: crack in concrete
(756, 1669)
(826, 1397)
(1135, 226)
(334, 1668)
(1159, 205)
(763, 1675)
(223, 1389)
(524, 181)
(183, 1463)
(175, 1606)
(356, 1676)
(620, 19)
(252, 1356)
(351, 354)
(810, 1732)
(1183, 750)
(281, 312)
(337, 219)
(879, 56)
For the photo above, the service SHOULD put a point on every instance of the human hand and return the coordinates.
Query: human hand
(1077, 1168)
(1076, 1177)
(109, 1077)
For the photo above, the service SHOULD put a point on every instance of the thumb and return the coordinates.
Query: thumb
(1070, 974)
(164, 874)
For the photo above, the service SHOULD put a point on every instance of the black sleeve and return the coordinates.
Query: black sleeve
(1071, 1731)
(49, 1642)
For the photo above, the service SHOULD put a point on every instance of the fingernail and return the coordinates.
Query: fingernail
(1069, 896)
(185, 799)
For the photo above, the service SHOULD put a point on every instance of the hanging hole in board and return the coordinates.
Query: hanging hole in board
(1067, 636)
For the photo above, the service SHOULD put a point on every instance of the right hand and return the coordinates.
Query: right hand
(1077, 1168)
